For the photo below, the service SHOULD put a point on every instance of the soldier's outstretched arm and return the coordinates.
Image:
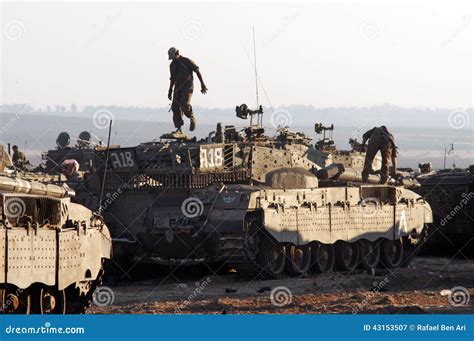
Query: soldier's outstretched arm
(203, 86)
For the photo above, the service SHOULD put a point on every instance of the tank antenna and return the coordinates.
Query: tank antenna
(444, 163)
(105, 168)
(256, 75)
(454, 159)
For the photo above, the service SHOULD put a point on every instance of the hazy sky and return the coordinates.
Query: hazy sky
(324, 54)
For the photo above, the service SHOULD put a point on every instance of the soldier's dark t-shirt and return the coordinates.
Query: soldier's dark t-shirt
(181, 71)
(380, 137)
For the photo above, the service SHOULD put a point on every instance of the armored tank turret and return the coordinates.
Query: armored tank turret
(251, 202)
(83, 152)
(53, 249)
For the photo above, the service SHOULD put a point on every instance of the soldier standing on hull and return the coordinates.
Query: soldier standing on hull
(380, 139)
(181, 79)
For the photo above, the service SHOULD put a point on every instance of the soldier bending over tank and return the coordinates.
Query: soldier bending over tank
(380, 139)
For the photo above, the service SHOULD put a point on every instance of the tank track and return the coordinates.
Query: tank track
(414, 248)
(246, 265)
(78, 303)
(239, 257)
(249, 268)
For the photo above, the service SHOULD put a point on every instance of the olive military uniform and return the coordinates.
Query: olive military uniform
(380, 139)
(19, 159)
(181, 70)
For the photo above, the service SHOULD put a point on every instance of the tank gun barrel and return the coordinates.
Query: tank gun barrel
(36, 188)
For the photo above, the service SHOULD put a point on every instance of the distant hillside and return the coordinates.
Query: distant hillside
(297, 115)
(36, 132)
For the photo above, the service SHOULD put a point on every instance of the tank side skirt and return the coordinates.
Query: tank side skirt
(30, 257)
(50, 257)
(300, 225)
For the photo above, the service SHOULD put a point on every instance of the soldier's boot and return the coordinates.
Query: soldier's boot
(177, 134)
(365, 174)
(192, 123)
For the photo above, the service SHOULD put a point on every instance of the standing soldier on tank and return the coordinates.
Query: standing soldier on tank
(181, 79)
(380, 139)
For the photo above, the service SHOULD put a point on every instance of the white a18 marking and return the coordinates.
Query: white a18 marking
(122, 160)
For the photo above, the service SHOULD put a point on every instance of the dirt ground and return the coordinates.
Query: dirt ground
(429, 285)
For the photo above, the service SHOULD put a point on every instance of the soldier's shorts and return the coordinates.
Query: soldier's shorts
(182, 105)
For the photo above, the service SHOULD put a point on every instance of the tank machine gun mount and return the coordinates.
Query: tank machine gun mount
(254, 131)
(242, 111)
(327, 142)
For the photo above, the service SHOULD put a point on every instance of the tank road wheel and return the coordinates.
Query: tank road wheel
(322, 257)
(48, 300)
(392, 253)
(299, 259)
(370, 254)
(14, 301)
(347, 255)
(272, 257)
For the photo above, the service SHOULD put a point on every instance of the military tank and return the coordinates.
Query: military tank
(450, 193)
(251, 202)
(83, 152)
(53, 249)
